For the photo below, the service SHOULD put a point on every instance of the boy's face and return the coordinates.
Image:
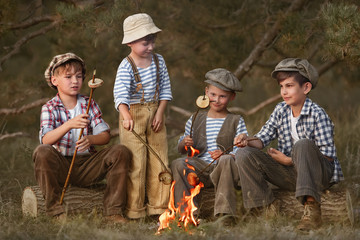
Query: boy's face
(219, 99)
(142, 48)
(68, 81)
(292, 93)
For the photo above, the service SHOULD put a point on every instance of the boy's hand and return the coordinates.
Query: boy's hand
(188, 141)
(215, 154)
(279, 157)
(241, 140)
(128, 124)
(80, 121)
(83, 144)
(157, 122)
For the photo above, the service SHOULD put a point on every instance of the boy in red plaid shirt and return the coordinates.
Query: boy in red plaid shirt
(61, 121)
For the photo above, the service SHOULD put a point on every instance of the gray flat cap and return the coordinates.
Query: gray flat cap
(223, 79)
(298, 65)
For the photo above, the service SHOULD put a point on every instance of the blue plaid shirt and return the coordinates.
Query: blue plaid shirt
(313, 124)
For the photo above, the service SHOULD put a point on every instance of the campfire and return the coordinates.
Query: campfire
(185, 217)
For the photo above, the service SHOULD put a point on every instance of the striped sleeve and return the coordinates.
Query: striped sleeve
(165, 85)
(241, 128)
(122, 86)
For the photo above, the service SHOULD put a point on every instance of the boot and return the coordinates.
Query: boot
(312, 216)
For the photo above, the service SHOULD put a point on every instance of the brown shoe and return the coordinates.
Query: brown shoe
(117, 219)
(272, 211)
(60, 218)
(312, 217)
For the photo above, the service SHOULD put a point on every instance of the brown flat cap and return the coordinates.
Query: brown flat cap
(57, 61)
(223, 79)
(298, 65)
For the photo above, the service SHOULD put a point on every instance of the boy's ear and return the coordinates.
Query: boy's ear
(53, 81)
(233, 95)
(307, 87)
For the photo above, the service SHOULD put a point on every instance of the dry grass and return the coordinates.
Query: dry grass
(16, 172)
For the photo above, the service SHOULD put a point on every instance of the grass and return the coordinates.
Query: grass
(16, 172)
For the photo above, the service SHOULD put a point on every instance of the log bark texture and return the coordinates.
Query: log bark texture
(76, 200)
(337, 205)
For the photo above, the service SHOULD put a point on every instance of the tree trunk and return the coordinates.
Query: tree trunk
(337, 205)
(76, 200)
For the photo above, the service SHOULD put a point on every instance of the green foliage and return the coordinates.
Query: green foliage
(342, 27)
(197, 36)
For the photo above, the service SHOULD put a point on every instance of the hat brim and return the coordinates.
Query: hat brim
(137, 34)
(273, 74)
(222, 87)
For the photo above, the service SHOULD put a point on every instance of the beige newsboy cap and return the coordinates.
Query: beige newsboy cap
(223, 79)
(298, 65)
(138, 26)
(57, 61)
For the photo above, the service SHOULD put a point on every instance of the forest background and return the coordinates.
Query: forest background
(246, 37)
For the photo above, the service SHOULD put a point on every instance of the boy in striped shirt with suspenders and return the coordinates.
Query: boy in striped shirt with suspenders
(214, 131)
(141, 92)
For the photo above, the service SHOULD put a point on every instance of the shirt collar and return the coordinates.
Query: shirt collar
(57, 101)
(306, 107)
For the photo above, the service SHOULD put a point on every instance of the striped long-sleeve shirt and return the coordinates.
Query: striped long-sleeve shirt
(125, 84)
(213, 127)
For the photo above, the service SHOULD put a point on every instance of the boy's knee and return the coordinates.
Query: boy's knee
(42, 153)
(243, 153)
(177, 165)
(225, 160)
(121, 152)
(303, 144)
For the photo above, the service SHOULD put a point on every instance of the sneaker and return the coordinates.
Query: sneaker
(116, 219)
(312, 217)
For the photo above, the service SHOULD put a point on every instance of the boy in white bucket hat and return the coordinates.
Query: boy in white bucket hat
(141, 92)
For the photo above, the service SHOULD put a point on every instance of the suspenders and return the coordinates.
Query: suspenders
(138, 79)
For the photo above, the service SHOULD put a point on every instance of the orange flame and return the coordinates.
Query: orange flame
(193, 151)
(187, 216)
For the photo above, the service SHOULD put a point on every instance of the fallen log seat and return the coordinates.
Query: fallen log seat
(76, 200)
(337, 205)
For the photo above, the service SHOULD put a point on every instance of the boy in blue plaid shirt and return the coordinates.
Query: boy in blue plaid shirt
(305, 161)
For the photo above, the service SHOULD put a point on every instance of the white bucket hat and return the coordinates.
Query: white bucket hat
(138, 26)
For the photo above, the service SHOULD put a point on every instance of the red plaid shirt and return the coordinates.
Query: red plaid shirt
(54, 114)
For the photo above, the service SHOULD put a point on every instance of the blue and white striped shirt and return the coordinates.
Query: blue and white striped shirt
(313, 124)
(213, 127)
(125, 84)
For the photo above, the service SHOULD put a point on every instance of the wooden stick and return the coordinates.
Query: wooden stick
(150, 149)
(75, 152)
(226, 150)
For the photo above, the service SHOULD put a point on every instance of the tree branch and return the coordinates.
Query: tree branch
(12, 135)
(31, 22)
(257, 107)
(24, 108)
(267, 40)
(16, 47)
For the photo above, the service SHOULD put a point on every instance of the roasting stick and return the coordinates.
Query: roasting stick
(92, 84)
(226, 150)
(150, 149)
